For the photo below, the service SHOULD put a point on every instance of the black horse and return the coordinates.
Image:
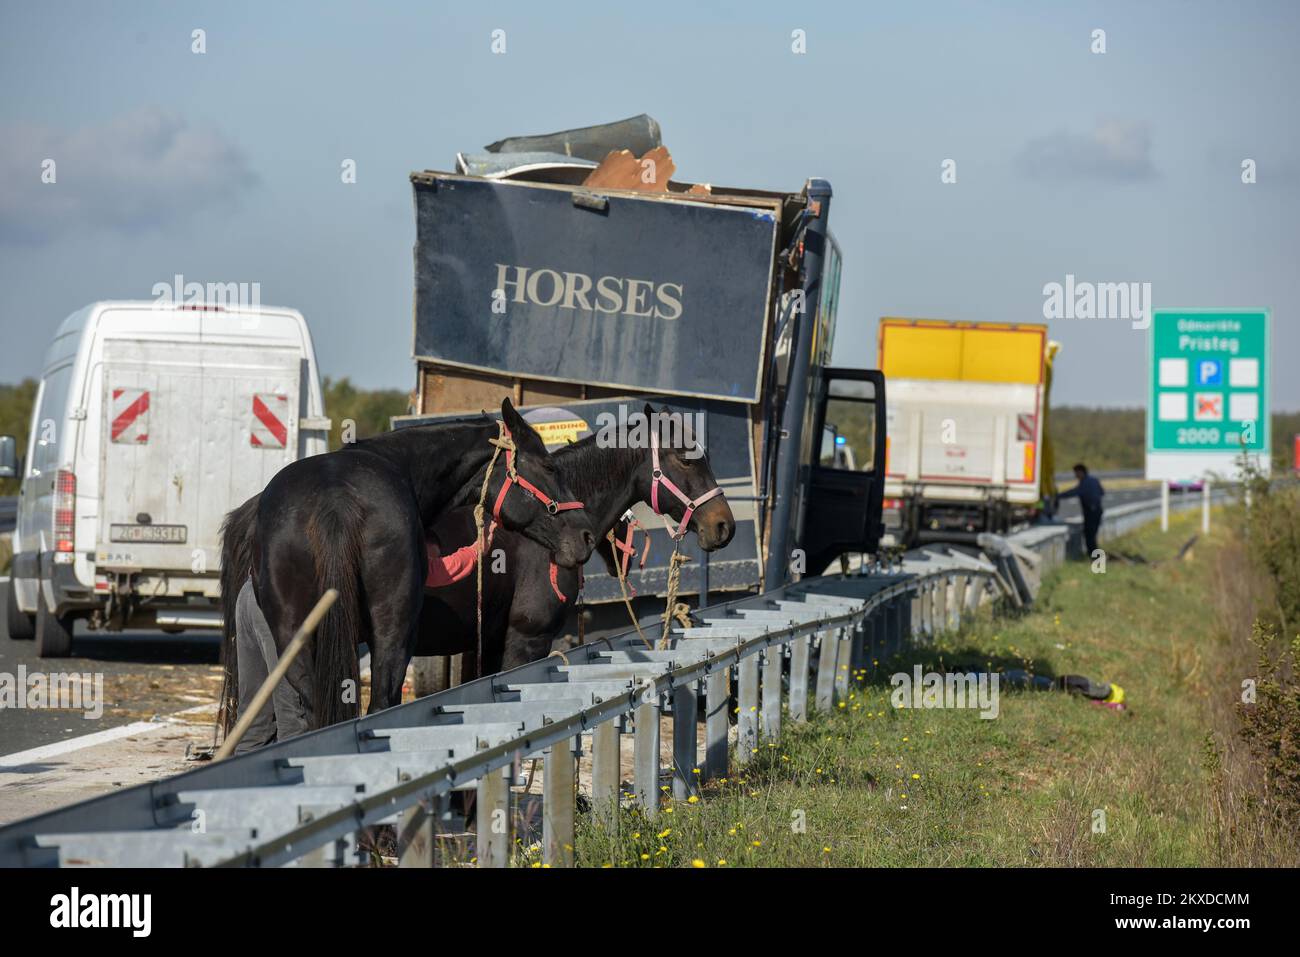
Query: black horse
(524, 606)
(353, 520)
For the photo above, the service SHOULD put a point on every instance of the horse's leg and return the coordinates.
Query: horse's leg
(394, 584)
(522, 647)
(283, 597)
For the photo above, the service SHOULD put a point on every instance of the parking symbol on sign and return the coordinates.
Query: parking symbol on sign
(1209, 372)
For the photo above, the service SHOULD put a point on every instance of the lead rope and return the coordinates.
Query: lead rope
(501, 442)
(671, 609)
(622, 587)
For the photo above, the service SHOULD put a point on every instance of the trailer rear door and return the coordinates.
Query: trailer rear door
(188, 431)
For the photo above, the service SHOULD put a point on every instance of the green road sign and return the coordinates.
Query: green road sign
(1208, 397)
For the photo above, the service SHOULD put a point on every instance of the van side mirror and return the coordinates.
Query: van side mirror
(8, 457)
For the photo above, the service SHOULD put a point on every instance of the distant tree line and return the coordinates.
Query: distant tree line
(1110, 439)
(369, 409)
(16, 403)
(1106, 439)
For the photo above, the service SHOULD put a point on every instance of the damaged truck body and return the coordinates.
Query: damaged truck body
(578, 278)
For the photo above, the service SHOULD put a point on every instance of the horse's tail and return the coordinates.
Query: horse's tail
(334, 536)
(237, 538)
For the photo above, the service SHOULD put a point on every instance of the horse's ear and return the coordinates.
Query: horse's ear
(525, 436)
(653, 421)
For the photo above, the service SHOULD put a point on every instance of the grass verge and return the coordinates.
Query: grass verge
(1053, 780)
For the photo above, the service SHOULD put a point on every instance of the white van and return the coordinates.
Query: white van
(151, 422)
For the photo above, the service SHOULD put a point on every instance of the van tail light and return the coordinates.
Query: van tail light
(65, 501)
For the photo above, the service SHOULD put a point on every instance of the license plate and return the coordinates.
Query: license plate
(164, 534)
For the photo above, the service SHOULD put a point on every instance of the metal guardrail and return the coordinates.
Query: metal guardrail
(304, 800)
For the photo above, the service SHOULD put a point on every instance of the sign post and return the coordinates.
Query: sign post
(1208, 396)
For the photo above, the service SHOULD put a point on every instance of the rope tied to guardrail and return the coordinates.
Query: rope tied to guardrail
(671, 610)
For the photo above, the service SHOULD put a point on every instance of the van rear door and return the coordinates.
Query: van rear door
(189, 431)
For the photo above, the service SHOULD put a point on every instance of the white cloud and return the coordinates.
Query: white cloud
(1115, 151)
(137, 172)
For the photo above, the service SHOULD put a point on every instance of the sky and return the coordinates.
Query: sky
(224, 166)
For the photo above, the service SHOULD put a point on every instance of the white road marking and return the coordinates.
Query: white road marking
(11, 762)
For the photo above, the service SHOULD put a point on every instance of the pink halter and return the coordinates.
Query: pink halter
(657, 477)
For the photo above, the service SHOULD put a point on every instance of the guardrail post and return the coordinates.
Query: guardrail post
(557, 804)
(773, 659)
(686, 709)
(799, 679)
(492, 810)
(646, 756)
(332, 854)
(893, 611)
(827, 653)
(877, 626)
(959, 599)
(747, 723)
(843, 662)
(861, 633)
(605, 771)
(717, 702)
(942, 624)
(416, 829)
(915, 623)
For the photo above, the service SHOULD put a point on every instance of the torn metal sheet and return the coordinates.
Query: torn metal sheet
(638, 134)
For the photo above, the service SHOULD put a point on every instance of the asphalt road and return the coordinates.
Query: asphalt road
(143, 673)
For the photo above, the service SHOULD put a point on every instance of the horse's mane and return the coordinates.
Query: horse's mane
(587, 468)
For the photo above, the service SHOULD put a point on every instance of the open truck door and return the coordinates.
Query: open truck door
(846, 480)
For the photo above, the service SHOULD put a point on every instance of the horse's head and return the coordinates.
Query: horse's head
(526, 495)
(682, 486)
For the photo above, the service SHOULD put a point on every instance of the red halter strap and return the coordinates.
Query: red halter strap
(628, 547)
(657, 478)
(514, 478)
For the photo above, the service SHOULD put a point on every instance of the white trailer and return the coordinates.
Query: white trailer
(965, 425)
(151, 422)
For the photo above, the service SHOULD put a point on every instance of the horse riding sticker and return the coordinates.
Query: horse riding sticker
(130, 416)
(270, 412)
(557, 427)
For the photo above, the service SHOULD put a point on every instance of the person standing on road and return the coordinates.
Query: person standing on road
(1089, 493)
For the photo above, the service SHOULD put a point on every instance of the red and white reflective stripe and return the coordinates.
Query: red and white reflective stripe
(269, 414)
(657, 477)
(130, 419)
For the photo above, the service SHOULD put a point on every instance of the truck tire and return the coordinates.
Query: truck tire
(53, 634)
(22, 627)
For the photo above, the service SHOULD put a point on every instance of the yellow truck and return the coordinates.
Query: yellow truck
(966, 432)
